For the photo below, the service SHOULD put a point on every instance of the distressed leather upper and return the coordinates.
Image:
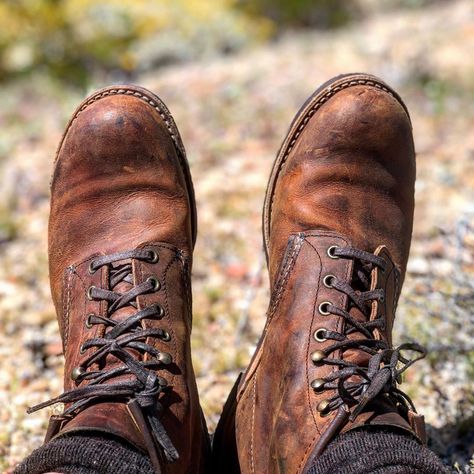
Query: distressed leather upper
(120, 184)
(117, 183)
(351, 170)
(346, 180)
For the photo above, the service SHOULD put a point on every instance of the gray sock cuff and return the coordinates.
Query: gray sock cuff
(86, 453)
(377, 451)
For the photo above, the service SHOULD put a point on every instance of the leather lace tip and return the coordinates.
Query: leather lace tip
(358, 410)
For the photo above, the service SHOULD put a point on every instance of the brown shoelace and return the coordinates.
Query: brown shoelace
(145, 386)
(358, 385)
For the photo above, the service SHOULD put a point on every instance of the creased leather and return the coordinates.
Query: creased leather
(119, 184)
(344, 176)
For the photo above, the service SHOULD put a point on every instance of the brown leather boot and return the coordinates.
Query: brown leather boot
(337, 227)
(121, 234)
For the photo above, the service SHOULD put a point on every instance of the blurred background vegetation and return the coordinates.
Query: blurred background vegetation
(78, 41)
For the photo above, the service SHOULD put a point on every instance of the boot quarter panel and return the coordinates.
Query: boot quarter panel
(280, 384)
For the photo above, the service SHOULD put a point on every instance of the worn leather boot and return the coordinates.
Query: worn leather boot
(337, 227)
(121, 234)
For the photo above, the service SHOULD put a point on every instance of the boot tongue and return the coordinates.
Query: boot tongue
(119, 316)
(123, 313)
(360, 282)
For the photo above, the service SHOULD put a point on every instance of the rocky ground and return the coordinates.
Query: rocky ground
(233, 113)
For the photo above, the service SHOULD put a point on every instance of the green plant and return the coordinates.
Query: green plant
(73, 39)
(321, 13)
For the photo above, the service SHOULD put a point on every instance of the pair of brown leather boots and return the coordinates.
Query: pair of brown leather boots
(337, 225)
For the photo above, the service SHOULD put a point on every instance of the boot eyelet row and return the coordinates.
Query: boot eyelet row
(330, 251)
(89, 293)
(328, 280)
(323, 308)
(88, 323)
(155, 282)
(318, 384)
(320, 334)
(154, 257)
(76, 372)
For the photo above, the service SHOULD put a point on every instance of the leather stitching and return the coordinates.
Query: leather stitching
(309, 339)
(139, 95)
(73, 270)
(67, 307)
(70, 271)
(283, 279)
(305, 454)
(146, 244)
(187, 287)
(254, 402)
(280, 286)
(396, 293)
(168, 318)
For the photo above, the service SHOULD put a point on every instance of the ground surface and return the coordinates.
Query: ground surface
(233, 114)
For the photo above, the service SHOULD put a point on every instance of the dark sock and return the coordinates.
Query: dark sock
(86, 453)
(377, 451)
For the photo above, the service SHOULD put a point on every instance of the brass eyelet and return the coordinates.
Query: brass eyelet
(166, 336)
(322, 407)
(88, 320)
(89, 293)
(327, 280)
(323, 308)
(77, 372)
(160, 312)
(82, 350)
(154, 257)
(319, 335)
(155, 282)
(318, 384)
(164, 358)
(92, 270)
(317, 356)
(331, 251)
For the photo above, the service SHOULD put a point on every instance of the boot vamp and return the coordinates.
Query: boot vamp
(351, 170)
(117, 183)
